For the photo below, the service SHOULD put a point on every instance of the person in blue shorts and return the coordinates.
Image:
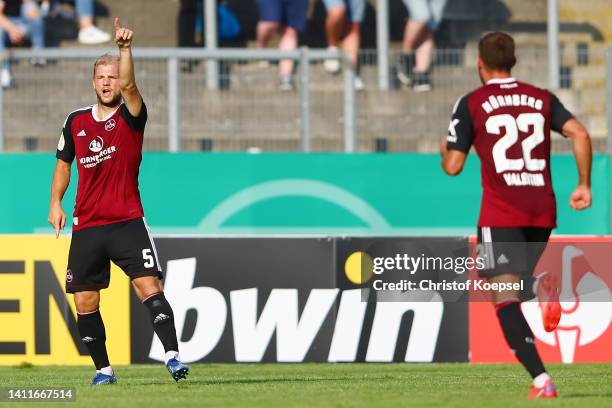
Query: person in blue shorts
(342, 25)
(417, 48)
(287, 18)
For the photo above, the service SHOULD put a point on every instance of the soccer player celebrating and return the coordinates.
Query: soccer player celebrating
(509, 124)
(108, 222)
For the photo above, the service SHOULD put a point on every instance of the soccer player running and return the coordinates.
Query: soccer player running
(509, 124)
(108, 223)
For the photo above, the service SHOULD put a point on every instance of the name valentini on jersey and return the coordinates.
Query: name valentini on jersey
(524, 179)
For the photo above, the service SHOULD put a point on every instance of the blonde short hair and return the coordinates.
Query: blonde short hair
(105, 59)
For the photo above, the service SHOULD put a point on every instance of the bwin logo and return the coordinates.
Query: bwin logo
(294, 332)
(160, 318)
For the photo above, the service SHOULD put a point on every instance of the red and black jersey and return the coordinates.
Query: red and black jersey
(509, 124)
(108, 153)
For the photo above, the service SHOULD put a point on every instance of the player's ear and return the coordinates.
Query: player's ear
(479, 63)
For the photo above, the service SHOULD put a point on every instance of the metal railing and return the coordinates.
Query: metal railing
(245, 110)
(174, 56)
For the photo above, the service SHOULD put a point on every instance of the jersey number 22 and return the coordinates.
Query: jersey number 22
(513, 126)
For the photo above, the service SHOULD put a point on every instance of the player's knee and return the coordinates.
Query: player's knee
(87, 302)
(147, 286)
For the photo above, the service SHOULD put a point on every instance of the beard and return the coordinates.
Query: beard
(113, 103)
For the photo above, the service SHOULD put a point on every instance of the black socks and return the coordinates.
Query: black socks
(91, 329)
(162, 319)
(407, 61)
(93, 334)
(519, 336)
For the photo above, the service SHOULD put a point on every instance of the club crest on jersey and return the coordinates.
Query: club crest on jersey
(110, 124)
(96, 145)
(68, 276)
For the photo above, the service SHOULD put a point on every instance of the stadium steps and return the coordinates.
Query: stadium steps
(593, 13)
(227, 114)
(254, 113)
(154, 28)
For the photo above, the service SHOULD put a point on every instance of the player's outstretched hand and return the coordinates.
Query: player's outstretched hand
(57, 219)
(581, 198)
(123, 35)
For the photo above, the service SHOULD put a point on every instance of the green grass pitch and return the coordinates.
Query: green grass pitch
(320, 385)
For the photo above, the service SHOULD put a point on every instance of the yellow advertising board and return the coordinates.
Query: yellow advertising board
(37, 317)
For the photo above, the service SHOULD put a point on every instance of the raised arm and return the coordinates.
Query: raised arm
(61, 179)
(127, 80)
(581, 197)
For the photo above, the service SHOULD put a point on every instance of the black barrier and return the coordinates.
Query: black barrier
(434, 323)
(295, 300)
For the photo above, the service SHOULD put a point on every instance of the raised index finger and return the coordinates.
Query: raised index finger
(117, 23)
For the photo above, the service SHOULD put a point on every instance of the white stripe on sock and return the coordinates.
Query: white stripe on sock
(540, 380)
(106, 370)
(170, 355)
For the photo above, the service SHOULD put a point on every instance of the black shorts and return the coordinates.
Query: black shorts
(511, 250)
(128, 244)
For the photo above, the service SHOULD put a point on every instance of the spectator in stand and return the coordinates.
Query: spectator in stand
(287, 18)
(186, 23)
(88, 33)
(20, 20)
(415, 63)
(342, 25)
(186, 26)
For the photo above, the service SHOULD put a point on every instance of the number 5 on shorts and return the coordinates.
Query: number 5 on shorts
(148, 258)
